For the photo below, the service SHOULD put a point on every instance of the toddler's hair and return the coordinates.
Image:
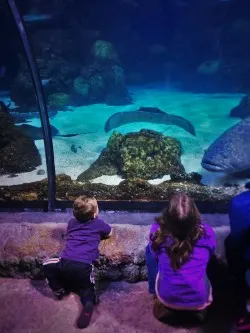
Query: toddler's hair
(180, 229)
(84, 208)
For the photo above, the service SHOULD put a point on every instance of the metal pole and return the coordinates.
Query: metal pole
(48, 144)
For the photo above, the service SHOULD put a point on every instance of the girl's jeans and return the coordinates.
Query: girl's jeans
(152, 266)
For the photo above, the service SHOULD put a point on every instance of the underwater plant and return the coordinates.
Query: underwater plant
(58, 100)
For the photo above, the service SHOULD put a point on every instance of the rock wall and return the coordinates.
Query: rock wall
(129, 189)
(23, 247)
(18, 152)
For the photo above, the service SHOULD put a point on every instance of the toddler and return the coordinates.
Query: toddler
(73, 270)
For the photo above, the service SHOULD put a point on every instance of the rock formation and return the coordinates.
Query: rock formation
(18, 153)
(146, 155)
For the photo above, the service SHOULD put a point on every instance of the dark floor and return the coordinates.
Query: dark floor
(28, 307)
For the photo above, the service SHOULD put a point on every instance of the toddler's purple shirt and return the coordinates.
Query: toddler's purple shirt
(83, 239)
(189, 286)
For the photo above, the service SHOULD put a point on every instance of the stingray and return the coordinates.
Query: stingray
(149, 115)
(36, 133)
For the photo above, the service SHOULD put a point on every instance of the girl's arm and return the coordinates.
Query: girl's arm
(153, 229)
(212, 240)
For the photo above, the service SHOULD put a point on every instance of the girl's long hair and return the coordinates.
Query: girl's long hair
(180, 229)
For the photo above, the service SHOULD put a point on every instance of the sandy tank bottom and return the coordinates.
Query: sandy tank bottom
(209, 113)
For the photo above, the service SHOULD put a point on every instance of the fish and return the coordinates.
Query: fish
(242, 110)
(36, 17)
(230, 152)
(36, 133)
(150, 115)
(73, 148)
(4, 108)
(45, 82)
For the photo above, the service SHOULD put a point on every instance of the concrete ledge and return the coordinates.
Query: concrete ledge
(23, 247)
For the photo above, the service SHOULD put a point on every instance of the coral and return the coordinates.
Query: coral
(117, 93)
(18, 153)
(97, 87)
(146, 154)
(81, 87)
(22, 90)
(58, 100)
(58, 62)
(104, 51)
(209, 67)
(192, 177)
(102, 166)
(102, 82)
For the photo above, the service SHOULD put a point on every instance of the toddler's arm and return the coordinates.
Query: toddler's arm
(109, 235)
(106, 230)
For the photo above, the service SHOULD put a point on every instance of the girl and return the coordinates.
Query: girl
(179, 249)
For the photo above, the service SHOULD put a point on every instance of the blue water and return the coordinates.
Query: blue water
(101, 54)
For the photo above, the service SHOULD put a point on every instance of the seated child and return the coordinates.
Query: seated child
(177, 255)
(73, 270)
(237, 246)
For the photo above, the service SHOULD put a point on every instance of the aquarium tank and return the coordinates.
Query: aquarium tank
(144, 98)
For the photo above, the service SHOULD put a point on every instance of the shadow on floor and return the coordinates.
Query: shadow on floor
(125, 301)
(124, 307)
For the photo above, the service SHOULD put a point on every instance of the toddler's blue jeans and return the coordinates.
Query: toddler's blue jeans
(152, 266)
